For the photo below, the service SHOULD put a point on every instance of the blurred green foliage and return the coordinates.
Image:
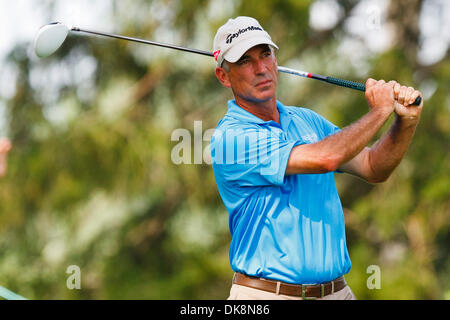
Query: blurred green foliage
(91, 182)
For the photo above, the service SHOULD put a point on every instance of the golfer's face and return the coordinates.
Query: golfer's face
(254, 76)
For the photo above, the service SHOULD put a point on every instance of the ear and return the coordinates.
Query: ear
(222, 76)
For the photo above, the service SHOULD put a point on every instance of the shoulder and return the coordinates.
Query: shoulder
(313, 119)
(307, 115)
(231, 123)
(231, 126)
(304, 113)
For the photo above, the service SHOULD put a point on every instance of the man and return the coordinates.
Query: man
(274, 166)
(5, 146)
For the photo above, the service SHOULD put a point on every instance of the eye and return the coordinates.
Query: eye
(243, 61)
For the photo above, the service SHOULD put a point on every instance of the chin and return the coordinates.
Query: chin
(266, 97)
(259, 97)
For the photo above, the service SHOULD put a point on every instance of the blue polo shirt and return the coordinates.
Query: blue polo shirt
(284, 227)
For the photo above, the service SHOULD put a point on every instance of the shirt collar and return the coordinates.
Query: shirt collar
(239, 113)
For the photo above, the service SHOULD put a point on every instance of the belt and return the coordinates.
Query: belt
(298, 290)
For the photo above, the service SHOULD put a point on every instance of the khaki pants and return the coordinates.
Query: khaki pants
(238, 292)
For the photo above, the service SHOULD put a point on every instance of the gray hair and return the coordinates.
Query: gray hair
(225, 66)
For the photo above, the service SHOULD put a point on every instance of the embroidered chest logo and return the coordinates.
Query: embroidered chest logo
(311, 138)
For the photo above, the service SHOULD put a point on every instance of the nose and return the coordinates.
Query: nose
(259, 66)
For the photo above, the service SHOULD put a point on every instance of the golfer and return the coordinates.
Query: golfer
(5, 146)
(274, 167)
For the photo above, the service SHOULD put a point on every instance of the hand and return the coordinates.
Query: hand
(405, 97)
(5, 146)
(380, 95)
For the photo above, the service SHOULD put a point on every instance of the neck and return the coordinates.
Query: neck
(266, 110)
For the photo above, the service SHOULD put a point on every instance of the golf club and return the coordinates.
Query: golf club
(9, 295)
(51, 36)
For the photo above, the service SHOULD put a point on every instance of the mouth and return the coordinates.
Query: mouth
(263, 83)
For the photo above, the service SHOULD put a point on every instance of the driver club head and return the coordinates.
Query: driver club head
(49, 38)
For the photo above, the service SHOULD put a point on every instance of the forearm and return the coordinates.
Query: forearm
(387, 153)
(328, 154)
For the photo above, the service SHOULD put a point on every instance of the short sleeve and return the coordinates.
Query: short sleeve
(321, 124)
(251, 157)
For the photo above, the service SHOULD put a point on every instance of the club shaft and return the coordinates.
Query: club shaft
(153, 43)
(9, 295)
(335, 81)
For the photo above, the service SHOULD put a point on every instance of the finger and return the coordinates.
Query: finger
(381, 82)
(392, 83)
(414, 96)
(370, 83)
(408, 94)
(401, 96)
(397, 90)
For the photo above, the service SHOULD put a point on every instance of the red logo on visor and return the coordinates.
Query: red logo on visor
(216, 54)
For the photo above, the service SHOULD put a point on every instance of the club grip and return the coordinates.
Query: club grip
(347, 83)
(418, 101)
(360, 87)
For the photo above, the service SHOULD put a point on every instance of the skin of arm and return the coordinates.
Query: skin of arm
(327, 155)
(376, 164)
(347, 149)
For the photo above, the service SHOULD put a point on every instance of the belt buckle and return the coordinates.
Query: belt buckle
(322, 292)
